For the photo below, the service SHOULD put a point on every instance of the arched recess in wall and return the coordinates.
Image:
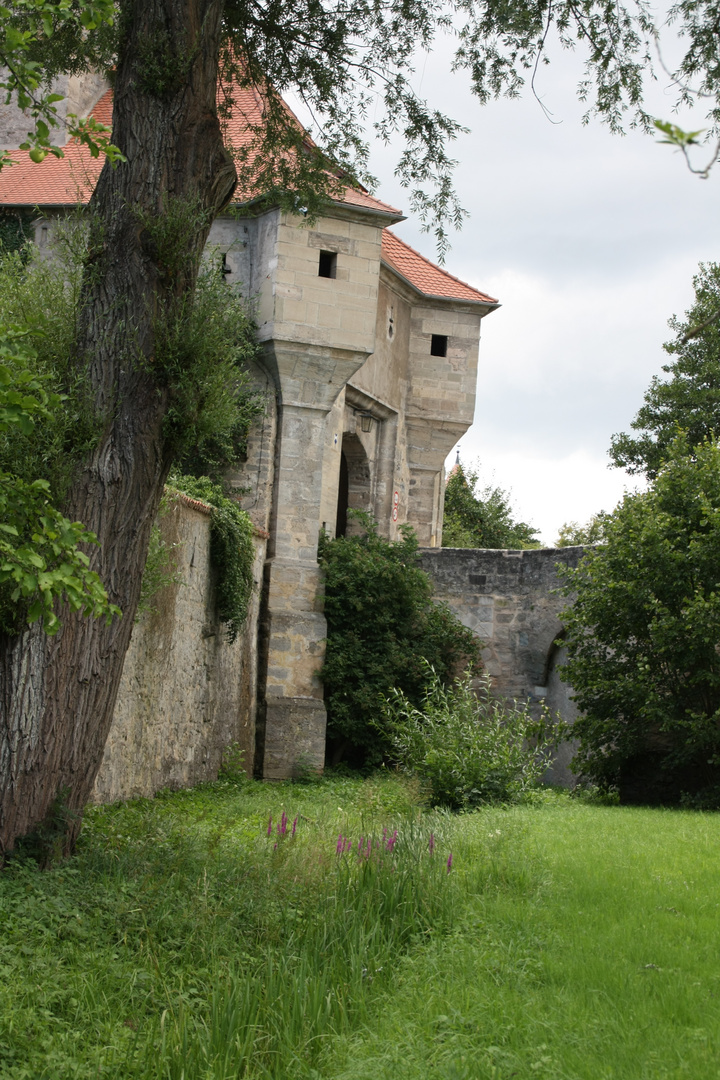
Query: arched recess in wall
(559, 701)
(354, 488)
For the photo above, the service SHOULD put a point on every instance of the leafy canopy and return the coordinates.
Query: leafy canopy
(41, 38)
(481, 517)
(572, 533)
(352, 65)
(40, 560)
(688, 401)
(644, 628)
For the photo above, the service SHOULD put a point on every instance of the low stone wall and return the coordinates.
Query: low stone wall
(186, 693)
(510, 599)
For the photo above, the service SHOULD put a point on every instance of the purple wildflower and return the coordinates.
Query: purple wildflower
(392, 841)
(269, 829)
(294, 827)
(282, 827)
(275, 846)
(348, 845)
(431, 843)
(449, 863)
(361, 844)
(340, 846)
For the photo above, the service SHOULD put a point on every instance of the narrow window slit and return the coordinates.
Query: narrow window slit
(438, 345)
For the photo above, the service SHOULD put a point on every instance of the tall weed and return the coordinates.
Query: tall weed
(346, 916)
(467, 745)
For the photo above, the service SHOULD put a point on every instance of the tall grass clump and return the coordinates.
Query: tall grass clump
(350, 906)
(468, 746)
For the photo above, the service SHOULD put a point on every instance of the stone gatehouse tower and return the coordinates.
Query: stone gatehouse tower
(369, 369)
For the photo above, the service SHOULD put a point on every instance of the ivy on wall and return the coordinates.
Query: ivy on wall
(232, 552)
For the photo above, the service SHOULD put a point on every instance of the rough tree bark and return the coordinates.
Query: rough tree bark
(57, 695)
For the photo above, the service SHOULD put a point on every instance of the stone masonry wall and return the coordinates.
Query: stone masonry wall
(510, 599)
(186, 693)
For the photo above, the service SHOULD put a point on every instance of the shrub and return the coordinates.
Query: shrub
(643, 633)
(470, 747)
(383, 630)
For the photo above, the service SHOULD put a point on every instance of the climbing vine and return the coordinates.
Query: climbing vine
(161, 568)
(232, 552)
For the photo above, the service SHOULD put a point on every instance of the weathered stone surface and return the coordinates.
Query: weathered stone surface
(81, 92)
(294, 741)
(186, 693)
(510, 599)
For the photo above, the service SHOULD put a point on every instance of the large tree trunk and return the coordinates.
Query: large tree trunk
(57, 695)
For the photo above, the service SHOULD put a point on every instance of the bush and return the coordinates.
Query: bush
(470, 747)
(643, 634)
(383, 630)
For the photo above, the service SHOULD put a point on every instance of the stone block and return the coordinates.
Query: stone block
(294, 737)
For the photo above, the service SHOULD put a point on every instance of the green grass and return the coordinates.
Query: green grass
(599, 961)
(569, 941)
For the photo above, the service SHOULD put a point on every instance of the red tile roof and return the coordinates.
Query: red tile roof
(425, 276)
(64, 181)
(71, 179)
(245, 122)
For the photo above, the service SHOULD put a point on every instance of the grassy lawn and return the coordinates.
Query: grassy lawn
(567, 941)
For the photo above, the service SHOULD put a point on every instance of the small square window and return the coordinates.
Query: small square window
(327, 267)
(438, 345)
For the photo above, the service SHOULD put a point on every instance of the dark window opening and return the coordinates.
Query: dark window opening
(438, 345)
(343, 497)
(327, 266)
(225, 269)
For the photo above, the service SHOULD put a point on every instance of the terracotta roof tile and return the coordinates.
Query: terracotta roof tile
(71, 179)
(425, 276)
(64, 181)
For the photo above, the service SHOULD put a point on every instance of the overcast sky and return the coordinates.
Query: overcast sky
(590, 241)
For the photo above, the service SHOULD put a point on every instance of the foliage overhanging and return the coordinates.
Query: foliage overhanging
(481, 517)
(349, 61)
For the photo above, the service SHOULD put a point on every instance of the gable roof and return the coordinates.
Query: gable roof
(246, 116)
(70, 180)
(425, 276)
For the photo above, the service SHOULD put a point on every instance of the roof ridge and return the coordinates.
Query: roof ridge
(440, 269)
